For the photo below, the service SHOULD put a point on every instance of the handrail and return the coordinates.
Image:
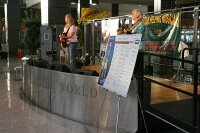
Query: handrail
(170, 57)
(169, 86)
(193, 94)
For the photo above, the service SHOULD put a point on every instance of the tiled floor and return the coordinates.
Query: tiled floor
(19, 116)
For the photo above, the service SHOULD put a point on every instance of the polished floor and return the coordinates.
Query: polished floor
(19, 116)
(161, 94)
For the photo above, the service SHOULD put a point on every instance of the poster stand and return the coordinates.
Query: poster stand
(118, 65)
(97, 119)
(118, 107)
(173, 79)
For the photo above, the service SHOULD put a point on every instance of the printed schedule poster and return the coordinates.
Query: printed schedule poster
(119, 62)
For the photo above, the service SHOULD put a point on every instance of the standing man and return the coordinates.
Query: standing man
(138, 26)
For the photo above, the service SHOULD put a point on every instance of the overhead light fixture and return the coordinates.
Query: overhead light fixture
(94, 2)
(73, 2)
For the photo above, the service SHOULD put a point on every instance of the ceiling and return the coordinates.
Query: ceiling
(134, 2)
(139, 2)
(145, 2)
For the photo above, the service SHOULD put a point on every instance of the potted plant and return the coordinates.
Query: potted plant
(32, 38)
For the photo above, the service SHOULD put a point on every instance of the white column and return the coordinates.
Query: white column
(79, 9)
(157, 5)
(44, 12)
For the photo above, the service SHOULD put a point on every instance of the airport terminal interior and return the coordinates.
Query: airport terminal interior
(126, 79)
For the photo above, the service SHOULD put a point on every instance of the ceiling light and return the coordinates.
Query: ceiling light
(73, 2)
(94, 2)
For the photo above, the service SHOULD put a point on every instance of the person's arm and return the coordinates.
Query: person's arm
(126, 31)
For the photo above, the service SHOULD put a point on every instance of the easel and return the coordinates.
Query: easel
(123, 71)
(173, 79)
(118, 107)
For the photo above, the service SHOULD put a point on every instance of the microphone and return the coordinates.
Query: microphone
(51, 27)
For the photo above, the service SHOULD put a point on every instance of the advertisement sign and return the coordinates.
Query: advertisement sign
(163, 32)
(119, 62)
(90, 14)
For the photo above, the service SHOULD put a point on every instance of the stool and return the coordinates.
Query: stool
(18, 73)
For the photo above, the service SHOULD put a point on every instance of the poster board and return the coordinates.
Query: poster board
(119, 62)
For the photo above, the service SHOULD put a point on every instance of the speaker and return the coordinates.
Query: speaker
(29, 62)
(86, 72)
(3, 55)
(43, 63)
(79, 64)
(59, 67)
(39, 63)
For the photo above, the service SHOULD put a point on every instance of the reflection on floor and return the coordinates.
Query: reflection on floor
(18, 116)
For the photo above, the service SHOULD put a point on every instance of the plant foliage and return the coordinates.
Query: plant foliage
(32, 23)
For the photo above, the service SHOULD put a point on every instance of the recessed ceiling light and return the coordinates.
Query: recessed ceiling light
(73, 2)
(139, 5)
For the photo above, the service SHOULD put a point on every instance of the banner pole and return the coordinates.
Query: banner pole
(118, 107)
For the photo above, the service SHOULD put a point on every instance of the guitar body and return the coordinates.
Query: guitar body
(63, 40)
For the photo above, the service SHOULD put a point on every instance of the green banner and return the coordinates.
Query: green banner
(163, 33)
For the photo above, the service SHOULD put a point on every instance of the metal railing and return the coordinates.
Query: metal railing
(149, 108)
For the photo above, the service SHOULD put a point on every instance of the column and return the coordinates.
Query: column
(115, 10)
(12, 25)
(53, 12)
(157, 5)
(82, 4)
(86, 29)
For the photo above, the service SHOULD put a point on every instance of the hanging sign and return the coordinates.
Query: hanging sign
(162, 33)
